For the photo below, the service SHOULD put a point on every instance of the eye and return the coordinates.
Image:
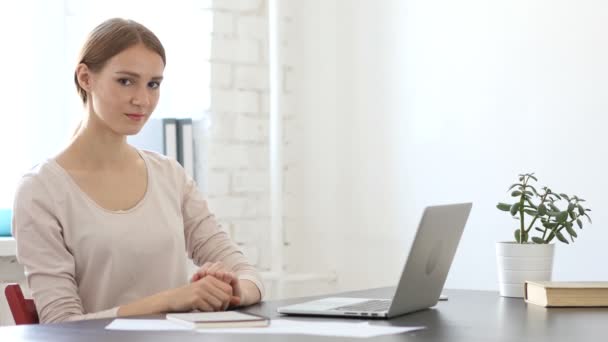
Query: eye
(125, 81)
(154, 84)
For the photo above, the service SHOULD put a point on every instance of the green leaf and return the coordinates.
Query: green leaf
(550, 237)
(588, 218)
(581, 210)
(503, 206)
(532, 176)
(540, 230)
(561, 238)
(553, 213)
(538, 240)
(530, 203)
(579, 223)
(516, 193)
(514, 208)
(562, 216)
(572, 215)
(556, 195)
(553, 207)
(571, 231)
(529, 193)
(571, 206)
(565, 196)
(520, 239)
(514, 185)
(531, 212)
(550, 224)
(542, 210)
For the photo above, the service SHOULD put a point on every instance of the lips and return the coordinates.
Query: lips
(135, 116)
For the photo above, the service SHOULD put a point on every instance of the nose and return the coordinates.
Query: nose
(141, 97)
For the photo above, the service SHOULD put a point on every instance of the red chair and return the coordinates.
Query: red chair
(23, 310)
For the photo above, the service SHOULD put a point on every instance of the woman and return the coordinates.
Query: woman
(101, 227)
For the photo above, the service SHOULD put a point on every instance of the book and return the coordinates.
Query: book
(225, 319)
(561, 294)
(170, 142)
(185, 145)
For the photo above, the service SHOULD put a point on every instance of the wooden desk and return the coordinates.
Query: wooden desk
(467, 316)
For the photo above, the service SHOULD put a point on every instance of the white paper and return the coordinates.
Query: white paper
(279, 326)
(144, 325)
(318, 328)
(213, 316)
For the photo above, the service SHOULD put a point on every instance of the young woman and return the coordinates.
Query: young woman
(102, 229)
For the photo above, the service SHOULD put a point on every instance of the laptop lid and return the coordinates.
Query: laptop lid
(423, 275)
(430, 258)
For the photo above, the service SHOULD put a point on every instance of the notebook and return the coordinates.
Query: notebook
(225, 319)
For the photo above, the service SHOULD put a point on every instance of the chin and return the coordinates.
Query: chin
(132, 131)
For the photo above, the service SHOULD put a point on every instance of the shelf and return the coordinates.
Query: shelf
(8, 246)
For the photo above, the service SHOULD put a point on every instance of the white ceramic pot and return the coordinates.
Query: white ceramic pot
(520, 262)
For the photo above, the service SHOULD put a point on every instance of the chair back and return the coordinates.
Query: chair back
(23, 310)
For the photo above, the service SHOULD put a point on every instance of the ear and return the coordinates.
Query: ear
(84, 76)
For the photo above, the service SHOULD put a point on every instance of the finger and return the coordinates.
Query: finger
(201, 272)
(218, 289)
(223, 286)
(215, 302)
(229, 278)
(213, 296)
(219, 275)
(234, 280)
(204, 270)
(235, 301)
(202, 305)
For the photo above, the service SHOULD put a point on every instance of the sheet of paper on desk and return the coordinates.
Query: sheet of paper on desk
(278, 326)
(318, 328)
(144, 325)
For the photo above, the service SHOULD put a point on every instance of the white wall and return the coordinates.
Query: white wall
(408, 103)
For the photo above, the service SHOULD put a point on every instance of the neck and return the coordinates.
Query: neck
(96, 146)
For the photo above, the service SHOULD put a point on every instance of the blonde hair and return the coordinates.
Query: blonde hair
(109, 39)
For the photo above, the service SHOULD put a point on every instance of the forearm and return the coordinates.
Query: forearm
(250, 293)
(154, 304)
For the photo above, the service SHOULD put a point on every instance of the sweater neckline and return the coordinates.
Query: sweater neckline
(92, 202)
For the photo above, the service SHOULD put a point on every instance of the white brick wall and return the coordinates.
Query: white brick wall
(237, 140)
(237, 143)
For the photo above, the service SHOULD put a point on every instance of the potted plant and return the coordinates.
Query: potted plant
(551, 217)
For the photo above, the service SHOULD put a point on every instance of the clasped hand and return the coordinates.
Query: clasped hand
(211, 288)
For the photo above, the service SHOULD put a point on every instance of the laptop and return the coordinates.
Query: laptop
(424, 274)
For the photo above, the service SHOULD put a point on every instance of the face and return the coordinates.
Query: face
(124, 93)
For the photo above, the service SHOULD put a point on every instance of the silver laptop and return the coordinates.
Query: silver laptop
(423, 277)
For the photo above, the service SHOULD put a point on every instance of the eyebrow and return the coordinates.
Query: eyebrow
(134, 74)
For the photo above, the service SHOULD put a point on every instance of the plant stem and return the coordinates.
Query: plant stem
(542, 200)
(522, 229)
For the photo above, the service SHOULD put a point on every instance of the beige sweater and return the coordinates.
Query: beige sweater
(83, 261)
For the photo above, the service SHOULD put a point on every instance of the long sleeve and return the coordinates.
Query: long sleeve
(41, 249)
(206, 241)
